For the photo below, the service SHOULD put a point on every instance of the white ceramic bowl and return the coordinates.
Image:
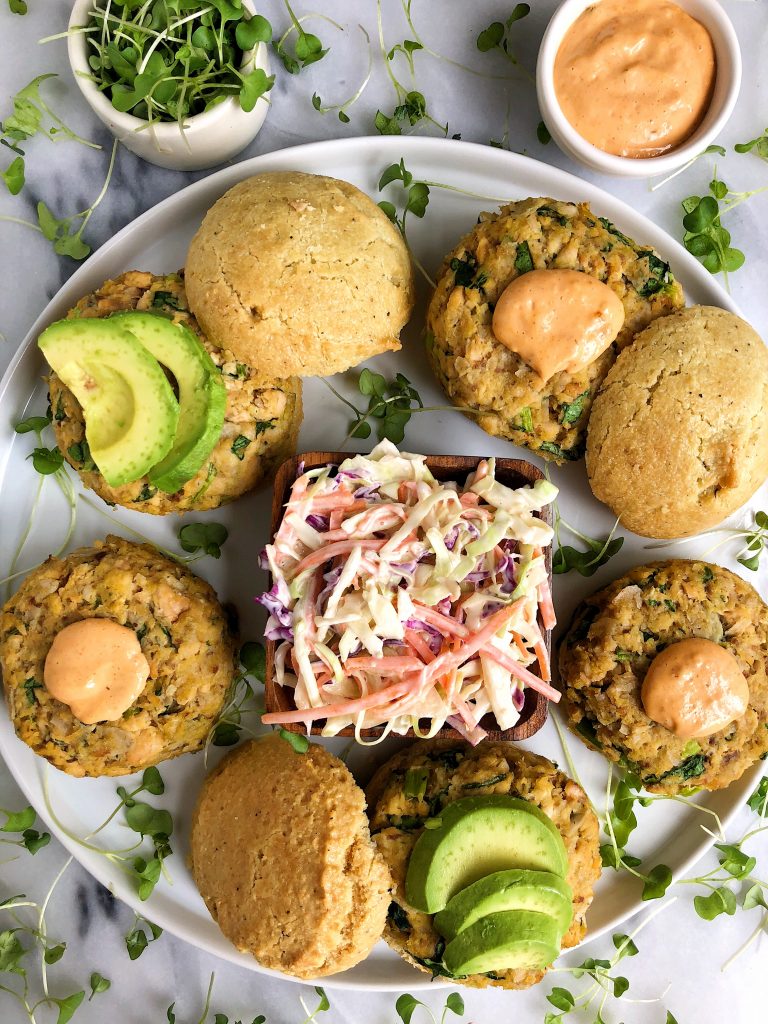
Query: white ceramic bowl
(208, 139)
(726, 91)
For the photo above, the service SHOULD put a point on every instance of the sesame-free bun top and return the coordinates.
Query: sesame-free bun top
(282, 855)
(299, 275)
(676, 439)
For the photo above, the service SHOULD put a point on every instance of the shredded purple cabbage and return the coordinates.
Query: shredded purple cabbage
(368, 493)
(275, 606)
(273, 632)
(319, 523)
(433, 636)
(451, 537)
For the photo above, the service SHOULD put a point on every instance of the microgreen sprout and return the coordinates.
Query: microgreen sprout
(754, 537)
(605, 984)
(599, 550)
(207, 538)
(342, 108)
(66, 233)
(407, 1005)
(13, 953)
(160, 62)
(18, 6)
(22, 823)
(146, 820)
(420, 43)
(142, 933)
(296, 740)
(417, 195)
(322, 1006)
(758, 146)
(307, 48)
(98, 984)
(705, 152)
(31, 116)
(390, 404)
(225, 731)
(498, 36)
(46, 462)
(705, 237)
(411, 106)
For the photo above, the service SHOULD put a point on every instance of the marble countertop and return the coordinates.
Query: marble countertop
(676, 947)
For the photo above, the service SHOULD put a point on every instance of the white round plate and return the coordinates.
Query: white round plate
(157, 241)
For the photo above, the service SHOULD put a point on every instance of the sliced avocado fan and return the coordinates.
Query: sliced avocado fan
(508, 941)
(475, 837)
(515, 889)
(202, 395)
(130, 410)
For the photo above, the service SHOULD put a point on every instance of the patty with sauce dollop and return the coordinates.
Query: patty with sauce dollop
(617, 632)
(506, 396)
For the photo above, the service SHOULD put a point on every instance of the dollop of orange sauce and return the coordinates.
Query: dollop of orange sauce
(96, 666)
(635, 78)
(695, 688)
(557, 320)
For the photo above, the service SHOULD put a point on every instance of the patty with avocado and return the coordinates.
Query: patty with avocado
(261, 421)
(184, 636)
(507, 397)
(617, 632)
(417, 784)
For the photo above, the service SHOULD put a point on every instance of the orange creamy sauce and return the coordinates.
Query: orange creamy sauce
(557, 320)
(635, 78)
(695, 688)
(96, 667)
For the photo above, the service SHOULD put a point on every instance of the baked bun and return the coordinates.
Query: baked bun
(299, 274)
(282, 856)
(676, 437)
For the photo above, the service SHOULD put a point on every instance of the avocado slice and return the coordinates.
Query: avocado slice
(130, 410)
(540, 891)
(513, 940)
(202, 395)
(478, 836)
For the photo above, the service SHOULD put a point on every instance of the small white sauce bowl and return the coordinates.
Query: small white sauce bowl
(726, 91)
(208, 139)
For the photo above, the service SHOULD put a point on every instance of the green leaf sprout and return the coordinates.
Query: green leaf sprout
(599, 550)
(204, 537)
(225, 731)
(759, 146)
(298, 741)
(161, 63)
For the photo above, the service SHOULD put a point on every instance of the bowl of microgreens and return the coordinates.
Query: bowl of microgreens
(181, 83)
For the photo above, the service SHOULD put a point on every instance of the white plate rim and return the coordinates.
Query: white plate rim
(412, 149)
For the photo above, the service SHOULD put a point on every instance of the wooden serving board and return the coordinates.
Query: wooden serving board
(513, 473)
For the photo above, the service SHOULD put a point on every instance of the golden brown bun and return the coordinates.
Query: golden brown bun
(676, 437)
(298, 274)
(282, 855)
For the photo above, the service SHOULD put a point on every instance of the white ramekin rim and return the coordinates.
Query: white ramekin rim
(163, 131)
(727, 84)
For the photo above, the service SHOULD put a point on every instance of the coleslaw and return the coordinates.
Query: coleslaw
(398, 598)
